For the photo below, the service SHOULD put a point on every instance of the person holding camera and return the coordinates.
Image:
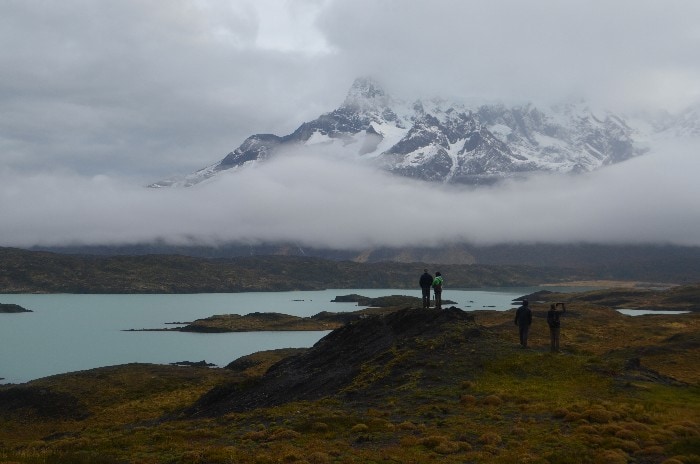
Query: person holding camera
(554, 325)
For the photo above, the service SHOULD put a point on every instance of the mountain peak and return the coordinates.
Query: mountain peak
(366, 92)
(445, 141)
(366, 87)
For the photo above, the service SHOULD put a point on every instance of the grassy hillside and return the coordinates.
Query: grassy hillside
(643, 262)
(24, 271)
(412, 386)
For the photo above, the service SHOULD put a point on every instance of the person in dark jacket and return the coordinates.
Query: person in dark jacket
(426, 280)
(554, 325)
(523, 319)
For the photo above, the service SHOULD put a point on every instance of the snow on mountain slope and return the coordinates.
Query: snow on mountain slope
(441, 141)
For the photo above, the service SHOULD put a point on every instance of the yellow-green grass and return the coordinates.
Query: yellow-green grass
(454, 397)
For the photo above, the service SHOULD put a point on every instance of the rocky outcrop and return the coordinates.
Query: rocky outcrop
(333, 364)
(13, 308)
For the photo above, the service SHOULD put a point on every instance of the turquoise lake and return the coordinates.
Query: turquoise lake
(71, 332)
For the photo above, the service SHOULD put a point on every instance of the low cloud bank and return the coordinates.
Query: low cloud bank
(317, 199)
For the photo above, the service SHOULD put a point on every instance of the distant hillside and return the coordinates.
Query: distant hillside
(25, 271)
(651, 263)
(665, 263)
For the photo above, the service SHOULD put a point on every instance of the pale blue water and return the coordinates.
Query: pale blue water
(647, 312)
(68, 332)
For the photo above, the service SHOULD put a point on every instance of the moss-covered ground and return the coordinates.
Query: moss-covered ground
(622, 390)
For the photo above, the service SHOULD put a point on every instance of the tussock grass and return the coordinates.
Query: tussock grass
(452, 398)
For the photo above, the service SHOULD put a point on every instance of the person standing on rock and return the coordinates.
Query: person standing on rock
(437, 289)
(523, 319)
(426, 280)
(554, 325)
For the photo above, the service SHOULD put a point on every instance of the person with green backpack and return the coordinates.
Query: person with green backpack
(437, 289)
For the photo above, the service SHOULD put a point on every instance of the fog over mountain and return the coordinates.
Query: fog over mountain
(444, 141)
(313, 199)
(100, 99)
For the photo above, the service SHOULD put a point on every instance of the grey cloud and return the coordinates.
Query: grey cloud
(100, 98)
(531, 50)
(318, 199)
(152, 89)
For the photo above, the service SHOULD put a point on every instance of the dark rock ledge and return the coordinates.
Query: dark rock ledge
(13, 308)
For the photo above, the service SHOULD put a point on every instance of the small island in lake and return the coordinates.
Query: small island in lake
(271, 322)
(325, 320)
(13, 308)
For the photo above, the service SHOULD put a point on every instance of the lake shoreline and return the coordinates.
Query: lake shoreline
(68, 333)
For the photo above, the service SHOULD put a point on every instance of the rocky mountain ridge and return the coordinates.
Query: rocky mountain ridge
(443, 141)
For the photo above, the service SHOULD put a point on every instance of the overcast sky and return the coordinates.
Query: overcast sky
(98, 98)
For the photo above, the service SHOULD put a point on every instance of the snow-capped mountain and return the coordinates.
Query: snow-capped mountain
(442, 141)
